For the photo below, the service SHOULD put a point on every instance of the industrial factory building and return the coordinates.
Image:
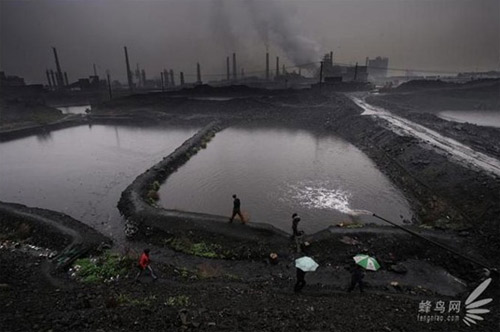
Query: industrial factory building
(377, 68)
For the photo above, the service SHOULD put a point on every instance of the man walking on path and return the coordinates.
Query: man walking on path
(295, 224)
(144, 263)
(236, 209)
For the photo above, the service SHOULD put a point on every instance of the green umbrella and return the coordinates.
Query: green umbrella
(367, 262)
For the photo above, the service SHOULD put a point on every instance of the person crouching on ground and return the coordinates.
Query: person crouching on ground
(144, 264)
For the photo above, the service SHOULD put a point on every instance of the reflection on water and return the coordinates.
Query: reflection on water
(277, 172)
(480, 118)
(74, 109)
(82, 171)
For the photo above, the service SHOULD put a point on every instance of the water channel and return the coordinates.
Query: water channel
(74, 109)
(81, 171)
(278, 171)
(479, 117)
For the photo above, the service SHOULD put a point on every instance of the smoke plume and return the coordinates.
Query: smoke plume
(274, 26)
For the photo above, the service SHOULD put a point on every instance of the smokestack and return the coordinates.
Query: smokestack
(165, 77)
(235, 76)
(172, 80)
(162, 82)
(198, 73)
(95, 71)
(129, 73)
(66, 78)
(48, 78)
(267, 66)
(54, 83)
(109, 85)
(143, 76)
(60, 82)
(277, 66)
(331, 58)
(227, 68)
(182, 78)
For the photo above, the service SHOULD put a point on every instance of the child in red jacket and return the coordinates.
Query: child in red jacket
(144, 263)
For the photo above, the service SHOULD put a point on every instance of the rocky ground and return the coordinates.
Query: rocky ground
(458, 206)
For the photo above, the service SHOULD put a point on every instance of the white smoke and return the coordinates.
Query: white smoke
(275, 27)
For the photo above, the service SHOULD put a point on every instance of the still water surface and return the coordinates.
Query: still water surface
(74, 109)
(480, 118)
(277, 172)
(82, 171)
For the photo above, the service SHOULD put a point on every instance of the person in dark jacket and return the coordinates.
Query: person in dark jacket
(236, 209)
(295, 224)
(144, 264)
(357, 275)
(301, 280)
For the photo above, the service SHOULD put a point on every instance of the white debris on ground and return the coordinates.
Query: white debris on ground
(27, 248)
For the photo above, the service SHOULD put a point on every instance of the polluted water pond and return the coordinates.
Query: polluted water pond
(280, 171)
(81, 171)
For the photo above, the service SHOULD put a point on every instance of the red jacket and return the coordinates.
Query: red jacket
(144, 261)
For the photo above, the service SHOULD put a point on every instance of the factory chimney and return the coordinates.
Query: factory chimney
(66, 78)
(54, 83)
(235, 76)
(143, 77)
(172, 81)
(129, 73)
(267, 66)
(331, 58)
(95, 71)
(109, 85)
(277, 67)
(198, 73)
(48, 78)
(59, 76)
(182, 78)
(165, 77)
(227, 69)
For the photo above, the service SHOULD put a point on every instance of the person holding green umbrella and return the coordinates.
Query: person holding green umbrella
(357, 273)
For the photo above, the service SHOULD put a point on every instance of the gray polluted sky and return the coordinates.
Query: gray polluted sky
(428, 35)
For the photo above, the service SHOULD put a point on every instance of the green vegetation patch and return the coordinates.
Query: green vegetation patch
(178, 301)
(202, 249)
(105, 268)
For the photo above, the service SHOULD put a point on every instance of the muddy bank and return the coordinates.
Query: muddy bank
(50, 229)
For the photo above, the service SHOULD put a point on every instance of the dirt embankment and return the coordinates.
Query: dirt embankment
(49, 229)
